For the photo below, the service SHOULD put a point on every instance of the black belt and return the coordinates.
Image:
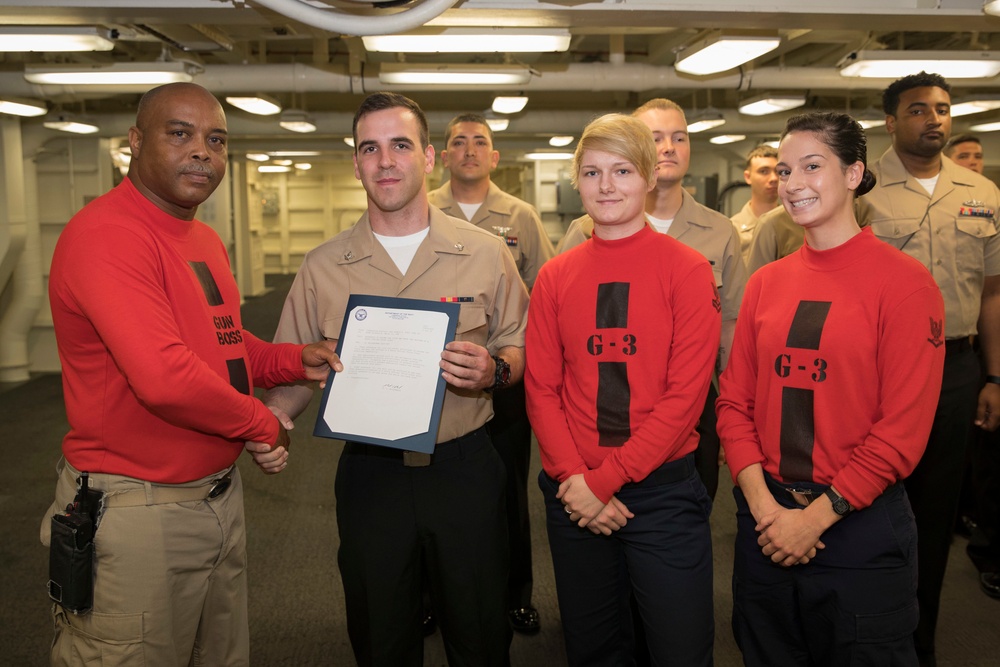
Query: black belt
(957, 345)
(670, 472)
(443, 451)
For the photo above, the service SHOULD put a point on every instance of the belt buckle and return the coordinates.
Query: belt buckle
(803, 497)
(220, 486)
(416, 459)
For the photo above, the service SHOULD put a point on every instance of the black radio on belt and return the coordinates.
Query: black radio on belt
(71, 554)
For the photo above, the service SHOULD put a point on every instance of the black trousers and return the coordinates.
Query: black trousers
(446, 520)
(854, 604)
(936, 482)
(510, 432)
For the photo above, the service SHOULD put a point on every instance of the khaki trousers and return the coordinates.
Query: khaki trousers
(170, 586)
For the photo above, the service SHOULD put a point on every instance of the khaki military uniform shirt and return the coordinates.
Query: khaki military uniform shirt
(455, 260)
(513, 220)
(745, 222)
(702, 229)
(776, 236)
(952, 232)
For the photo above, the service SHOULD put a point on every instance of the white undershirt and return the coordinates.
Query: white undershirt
(402, 248)
(929, 183)
(469, 209)
(659, 224)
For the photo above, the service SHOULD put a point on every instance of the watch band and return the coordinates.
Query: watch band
(840, 504)
(993, 379)
(501, 376)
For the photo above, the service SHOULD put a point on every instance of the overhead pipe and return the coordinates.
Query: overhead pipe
(352, 24)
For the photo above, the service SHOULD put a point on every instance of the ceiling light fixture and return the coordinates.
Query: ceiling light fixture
(986, 127)
(258, 157)
(303, 166)
(771, 103)
(52, 38)
(723, 52)
(472, 40)
(273, 169)
(349, 141)
(293, 153)
(69, 123)
(116, 74)
(261, 105)
(15, 106)
(706, 120)
(548, 156)
(498, 124)
(723, 139)
(453, 75)
(971, 105)
(509, 103)
(295, 120)
(560, 141)
(992, 7)
(896, 64)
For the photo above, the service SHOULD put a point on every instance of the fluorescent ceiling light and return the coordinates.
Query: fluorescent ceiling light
(896, 64)
(509, 104)
(977, 105)
(258, 157)
(21, 107)
(723, 139)
(273, 169)
(986, 127)
(68, 123)
(297, 121)
(869, 123)
(560, 141)
(723, 52)
(303, 166)
(51, 38)
(992, 7)
(349, 141)
(453, 75)
(773, 143)
(706, 120)
(293, 153)
(765, 104)
(120, 74)
(472, 40)
(284, 163)
(261, 105)
(548, 156)
(498, 124)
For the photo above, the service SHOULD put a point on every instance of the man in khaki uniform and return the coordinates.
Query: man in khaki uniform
(672, 210)
(401, 514)
(966, 150)
(762, 177)
(470, 195)
(776, 236)
(946, 217)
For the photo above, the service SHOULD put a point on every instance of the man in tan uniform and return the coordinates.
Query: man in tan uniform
(762, 178)
(401, 514)
(775, 237)
(672, 210)
(470, 195)
(946, 217)
(966, 150)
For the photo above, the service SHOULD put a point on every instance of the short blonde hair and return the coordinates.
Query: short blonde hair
(618, 134)
(661, 104)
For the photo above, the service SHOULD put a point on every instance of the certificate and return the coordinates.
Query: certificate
(391, 391)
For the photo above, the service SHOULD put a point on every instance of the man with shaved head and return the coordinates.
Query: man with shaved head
(158, 377)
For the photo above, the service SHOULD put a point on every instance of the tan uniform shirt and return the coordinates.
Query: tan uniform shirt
(776, 236)
(702, 229)
(455, 260)
(514, 221)
(952, 232)
(745, 222)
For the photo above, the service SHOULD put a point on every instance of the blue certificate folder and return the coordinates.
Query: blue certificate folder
(421, 442)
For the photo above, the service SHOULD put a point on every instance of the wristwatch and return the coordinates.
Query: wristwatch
(502, 376)
(840, 504)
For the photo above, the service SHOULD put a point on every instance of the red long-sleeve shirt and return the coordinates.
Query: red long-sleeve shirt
(622, 337)
(158, 372)
(836, 368)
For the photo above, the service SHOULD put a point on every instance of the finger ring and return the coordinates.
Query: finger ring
(569, 511)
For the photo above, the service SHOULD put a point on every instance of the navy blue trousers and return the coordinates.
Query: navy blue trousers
(854, 604)
(663, 556)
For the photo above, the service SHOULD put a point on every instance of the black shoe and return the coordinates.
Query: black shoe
(428, 624)
(525, 620)
(965, 526)
(990, 583)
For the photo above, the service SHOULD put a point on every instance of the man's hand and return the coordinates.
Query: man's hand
(271, 460)
(789, 537)
(467, 366)
(319, 358)
(988, 410)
